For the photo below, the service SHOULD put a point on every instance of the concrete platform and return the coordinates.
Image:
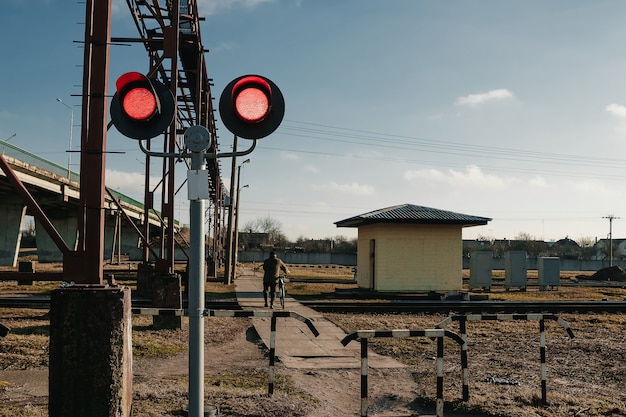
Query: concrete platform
(296, 346)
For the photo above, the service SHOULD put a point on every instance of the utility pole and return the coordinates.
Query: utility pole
(235, 236)
(611, 218)
(231, 214)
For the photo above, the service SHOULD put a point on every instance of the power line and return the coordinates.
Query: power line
(381, 140)
(379, 137)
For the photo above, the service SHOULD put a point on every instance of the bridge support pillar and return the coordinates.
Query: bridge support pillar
(90, 357)
(12, 213)
(120, 241)
(67, 227)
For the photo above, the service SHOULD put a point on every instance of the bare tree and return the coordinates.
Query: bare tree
(527, 242)
(587, 248)
(269, 226)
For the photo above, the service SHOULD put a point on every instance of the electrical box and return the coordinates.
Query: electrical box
(198, 184)
(481, 265)
(515, 269)
(549, 273)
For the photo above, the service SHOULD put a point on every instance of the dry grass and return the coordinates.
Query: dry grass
(586, 375)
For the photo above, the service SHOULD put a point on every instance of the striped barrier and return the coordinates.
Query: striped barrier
(4, 330)
(463, 319)
(364, 335)
(241, 313)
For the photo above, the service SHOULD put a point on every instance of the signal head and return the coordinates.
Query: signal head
(141, 108)
(252, 106)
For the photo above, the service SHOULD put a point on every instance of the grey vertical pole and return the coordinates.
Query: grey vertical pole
(229, 233)
(464, 363)
(364, 369)
(270, 386)
(439, 405)
(196, 299)
(542, 354)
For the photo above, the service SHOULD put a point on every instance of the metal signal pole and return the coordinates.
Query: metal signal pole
(611, 218)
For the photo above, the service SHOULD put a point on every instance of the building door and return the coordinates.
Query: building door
(372, 264)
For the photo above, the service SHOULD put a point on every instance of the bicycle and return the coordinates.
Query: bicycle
(281, 290)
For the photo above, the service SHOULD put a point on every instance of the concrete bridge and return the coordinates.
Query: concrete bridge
(56, 191)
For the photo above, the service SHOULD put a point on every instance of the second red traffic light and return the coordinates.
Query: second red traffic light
(252, 106)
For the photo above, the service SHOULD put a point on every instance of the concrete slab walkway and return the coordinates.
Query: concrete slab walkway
(296, 346)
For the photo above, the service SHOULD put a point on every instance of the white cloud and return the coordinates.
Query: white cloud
(473, 100)
(538, 182)
(223, 46)
(289, 156)
(618, 110)
(210, 7)
(131, 183)
(472, 176)
(352, 188)
(313, 169)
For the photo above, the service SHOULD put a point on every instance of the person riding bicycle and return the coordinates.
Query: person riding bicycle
(271, 271)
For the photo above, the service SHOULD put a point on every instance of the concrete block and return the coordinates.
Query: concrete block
(90, 371)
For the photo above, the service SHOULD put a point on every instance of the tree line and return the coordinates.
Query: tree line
(267, 233)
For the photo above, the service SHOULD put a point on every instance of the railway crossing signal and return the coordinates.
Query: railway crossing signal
(141, 108)
(252, 106)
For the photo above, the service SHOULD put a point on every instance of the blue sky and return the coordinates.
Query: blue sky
(502, 109)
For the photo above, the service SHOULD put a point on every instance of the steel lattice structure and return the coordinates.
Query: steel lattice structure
(170, 33)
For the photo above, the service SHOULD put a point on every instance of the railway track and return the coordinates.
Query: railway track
(390, 306)
(473, 307)
(43, 302)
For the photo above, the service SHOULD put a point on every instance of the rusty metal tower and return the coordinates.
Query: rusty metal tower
(170, 34)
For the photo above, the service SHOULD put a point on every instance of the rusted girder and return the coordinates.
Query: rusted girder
(170, 33)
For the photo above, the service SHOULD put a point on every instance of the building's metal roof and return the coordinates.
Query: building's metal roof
(412, 214)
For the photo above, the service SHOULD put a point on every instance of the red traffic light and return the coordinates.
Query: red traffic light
(252, 106)
(252, 96)
(141, 108)
(138, 101)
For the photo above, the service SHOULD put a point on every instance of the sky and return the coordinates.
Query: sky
(512, 110)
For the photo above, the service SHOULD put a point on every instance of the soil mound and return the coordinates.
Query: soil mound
(613, 273)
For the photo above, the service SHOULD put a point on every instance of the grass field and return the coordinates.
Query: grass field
(586, 375)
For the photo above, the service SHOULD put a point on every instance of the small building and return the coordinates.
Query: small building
(410, 248)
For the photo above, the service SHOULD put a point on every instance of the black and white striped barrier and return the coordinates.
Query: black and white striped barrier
(241, 313)
(364, 335)
(4, 330)
(464, 318)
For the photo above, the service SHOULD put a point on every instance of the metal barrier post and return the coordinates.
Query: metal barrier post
(542, 355)
(440, 377)
(364, 370)
(270, 386)
(462, 319)
(439, 334)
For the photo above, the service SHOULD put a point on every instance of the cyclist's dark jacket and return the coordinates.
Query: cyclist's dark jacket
(271, 269)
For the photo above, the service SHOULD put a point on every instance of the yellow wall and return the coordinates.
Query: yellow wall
(411, 257)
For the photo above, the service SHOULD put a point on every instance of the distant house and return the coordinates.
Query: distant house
(602, 248)
(410, 248)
